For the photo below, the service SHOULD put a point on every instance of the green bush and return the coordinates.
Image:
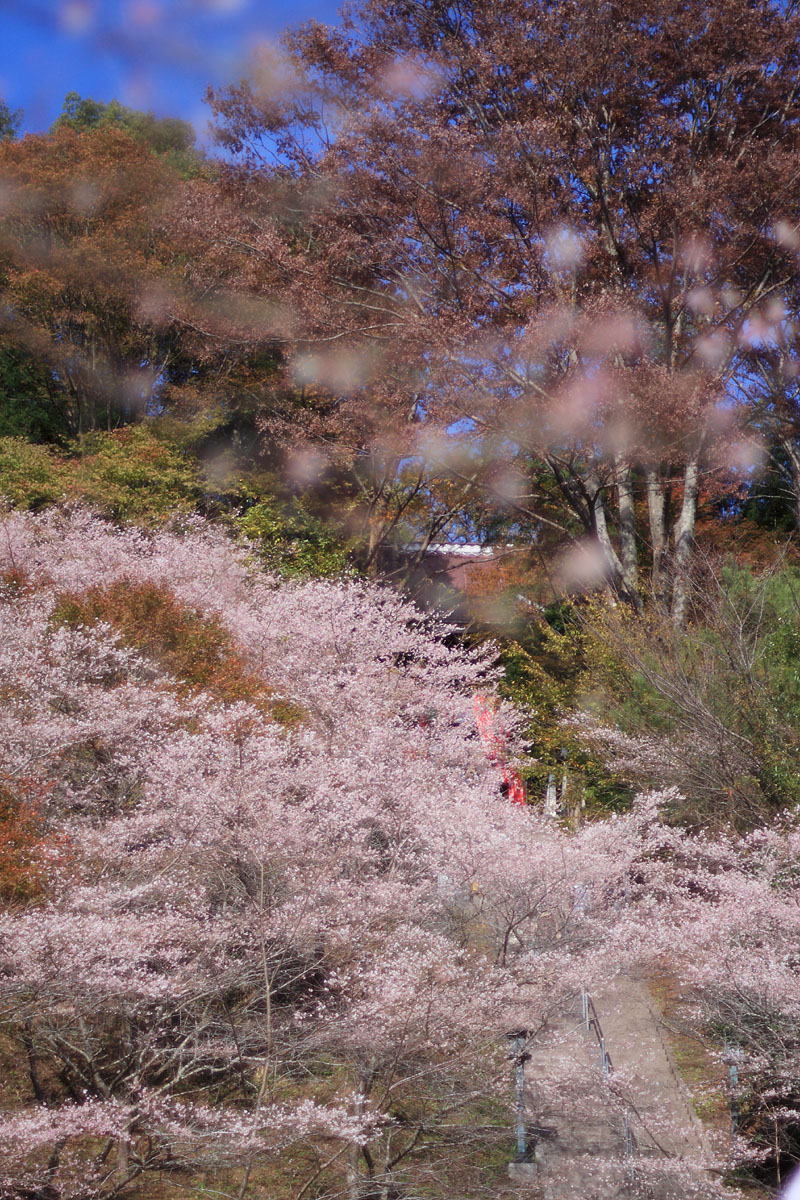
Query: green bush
(715, 705)
(30, 475)
(126, 474)
(131, 475)
(545, 676)
(293, 542)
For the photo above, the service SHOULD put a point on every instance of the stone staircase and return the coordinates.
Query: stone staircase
(629, 1131)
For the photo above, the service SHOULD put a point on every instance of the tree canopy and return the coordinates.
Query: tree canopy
(549, 228)
(165, 135)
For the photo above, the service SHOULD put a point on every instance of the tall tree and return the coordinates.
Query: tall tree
(165, 135)
(548, 224)
(769, 384)
(93, 283)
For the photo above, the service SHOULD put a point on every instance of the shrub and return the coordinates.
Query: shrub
(24, 863)
(712, 708)
(293, 542)
(30, 475)
(126, 474)
(131, 475)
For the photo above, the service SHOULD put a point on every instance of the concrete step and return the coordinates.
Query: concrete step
(582, 1154)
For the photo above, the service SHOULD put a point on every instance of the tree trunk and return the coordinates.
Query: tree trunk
(33, 1066)
(355, 1178)
(684, 539)
(656, 511)
(353, 1174)
(123, 1155)
(627, 535)
(793, 454)
(615, 574)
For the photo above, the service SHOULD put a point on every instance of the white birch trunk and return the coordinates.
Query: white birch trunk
(793, 454)
(684, 539)
(627, 534)
(656, 511)
(610, 555)
(551, 797)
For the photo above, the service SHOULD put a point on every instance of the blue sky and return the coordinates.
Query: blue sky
(151, 54)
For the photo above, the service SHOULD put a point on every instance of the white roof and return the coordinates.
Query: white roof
(461, 549)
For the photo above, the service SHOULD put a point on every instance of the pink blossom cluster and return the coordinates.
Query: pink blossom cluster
(237, 901)
(258, 936)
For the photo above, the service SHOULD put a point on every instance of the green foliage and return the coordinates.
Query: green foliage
(545, 675)
(770, 611)
(721, 697)
(293, 542)
(770, 503)
(131, 475)
(617, 688)
(127, 474)
(79, 113)
(28, 398)
(10, 120)
(168, 136)
(30, 476)
(141, 474)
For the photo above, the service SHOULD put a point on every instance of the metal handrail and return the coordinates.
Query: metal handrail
(591, 1021)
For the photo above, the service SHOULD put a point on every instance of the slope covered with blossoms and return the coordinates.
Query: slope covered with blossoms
(268, 918)
(270, 857)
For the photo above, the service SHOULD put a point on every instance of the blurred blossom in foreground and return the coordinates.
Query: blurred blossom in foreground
(76, 16)
(405, 77)
(697, 254)
(305, 467)
(713, 349)
(792, 1191)
(271, 72)
(786, 235)
(583, 566)
(701, 300)
(564, 249)
(746, 454)
(341, 371)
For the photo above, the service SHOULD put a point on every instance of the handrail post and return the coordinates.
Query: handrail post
(603, 1055)
(630, 1148)
(518, 1039)
(734, 1103)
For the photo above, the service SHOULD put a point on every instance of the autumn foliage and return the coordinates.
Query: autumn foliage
(543, 241)
(193, 647)
(28, 853)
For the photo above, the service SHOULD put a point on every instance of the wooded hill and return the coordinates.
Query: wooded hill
(522, 276)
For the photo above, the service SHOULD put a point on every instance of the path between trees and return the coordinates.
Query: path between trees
(630, 1133)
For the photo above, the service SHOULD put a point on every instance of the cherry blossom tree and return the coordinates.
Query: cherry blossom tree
(726, 912)
(294, 927)
(284, 919)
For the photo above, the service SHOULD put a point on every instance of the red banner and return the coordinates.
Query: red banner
(495, 741)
